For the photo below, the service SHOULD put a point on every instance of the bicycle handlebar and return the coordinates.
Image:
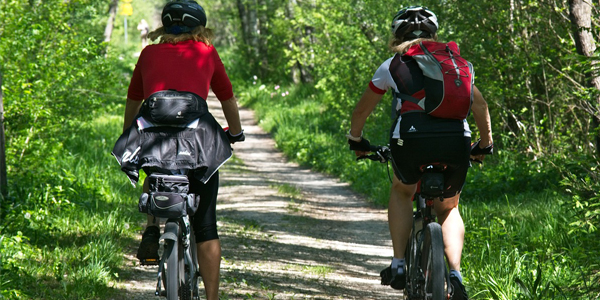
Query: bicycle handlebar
(382, 154)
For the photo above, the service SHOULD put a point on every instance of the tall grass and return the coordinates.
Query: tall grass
(518, 247)
(65, 239)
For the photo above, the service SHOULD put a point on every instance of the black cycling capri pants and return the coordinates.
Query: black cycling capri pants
(454, 151)
(204, 221)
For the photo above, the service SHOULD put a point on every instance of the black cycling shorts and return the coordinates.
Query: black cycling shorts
(205, 219)
(453, 151)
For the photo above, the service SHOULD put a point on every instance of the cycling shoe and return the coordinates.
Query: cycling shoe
(148, 251)
(396, 278)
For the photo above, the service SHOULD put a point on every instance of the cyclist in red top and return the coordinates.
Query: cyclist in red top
(185, 60)
(416, 139)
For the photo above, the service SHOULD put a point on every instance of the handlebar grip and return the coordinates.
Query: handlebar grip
(475, 150)
(380, 153)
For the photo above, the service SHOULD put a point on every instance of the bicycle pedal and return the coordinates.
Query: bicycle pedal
(149, 261)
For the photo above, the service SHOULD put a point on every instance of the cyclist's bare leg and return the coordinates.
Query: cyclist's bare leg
(453, 230)
(209, 259)
(400, 213)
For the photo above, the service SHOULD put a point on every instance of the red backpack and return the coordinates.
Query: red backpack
(447, 80)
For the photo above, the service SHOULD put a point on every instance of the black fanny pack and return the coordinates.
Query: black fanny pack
(169, 197)
(173, 107)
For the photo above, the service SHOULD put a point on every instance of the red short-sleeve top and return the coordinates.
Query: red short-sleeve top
(186, 66)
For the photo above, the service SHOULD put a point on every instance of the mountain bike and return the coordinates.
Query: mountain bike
(427, 274)
(178, 269)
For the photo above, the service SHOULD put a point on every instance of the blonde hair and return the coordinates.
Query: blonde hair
(198, 34)
(401, 46)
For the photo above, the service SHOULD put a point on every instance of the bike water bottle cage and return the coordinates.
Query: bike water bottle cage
(432, 181)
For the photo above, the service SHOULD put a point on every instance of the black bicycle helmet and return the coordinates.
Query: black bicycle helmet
(182, 16)
(414, 22)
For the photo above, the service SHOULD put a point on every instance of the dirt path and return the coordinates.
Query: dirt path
(288, 232)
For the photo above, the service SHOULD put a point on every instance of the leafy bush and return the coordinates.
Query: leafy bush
(56, 75)
(582, 181)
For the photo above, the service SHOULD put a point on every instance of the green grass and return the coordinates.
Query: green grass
(512, 242)
(72, 222)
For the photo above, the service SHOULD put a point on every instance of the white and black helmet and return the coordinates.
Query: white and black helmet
(414, 22)
(182, 16)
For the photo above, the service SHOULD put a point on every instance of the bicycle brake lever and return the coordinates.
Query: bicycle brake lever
(476, 161)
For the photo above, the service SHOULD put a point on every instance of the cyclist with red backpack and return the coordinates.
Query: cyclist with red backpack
(433, 86)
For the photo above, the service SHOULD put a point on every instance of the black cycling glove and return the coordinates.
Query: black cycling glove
(363, 145)
(476, 150)
(240, 137)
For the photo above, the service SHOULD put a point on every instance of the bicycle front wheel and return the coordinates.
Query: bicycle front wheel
(433, 263)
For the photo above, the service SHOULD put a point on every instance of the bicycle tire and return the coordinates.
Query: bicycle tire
(196, 274)
(189, 272)
(411, 265)
(172, 274)
(184, 280)
(433, 263)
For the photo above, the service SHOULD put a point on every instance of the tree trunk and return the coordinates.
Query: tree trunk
(263, 47)
(3, 179)
(249, 21)
(110, 23)
(581, 20)
(300, 72)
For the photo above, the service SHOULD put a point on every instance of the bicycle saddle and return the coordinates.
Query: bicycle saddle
(432, 181)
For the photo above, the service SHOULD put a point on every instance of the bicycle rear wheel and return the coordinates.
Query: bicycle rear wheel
(433, 263)
(188, 267)
(196, 272)
(172, 274)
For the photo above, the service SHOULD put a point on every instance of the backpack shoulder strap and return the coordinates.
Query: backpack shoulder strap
(410, 98)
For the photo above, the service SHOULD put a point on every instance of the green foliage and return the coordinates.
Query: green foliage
(70, 225)
(582, 181)
(53, 74)
(527, 69)
(57, 75)
(521, 247)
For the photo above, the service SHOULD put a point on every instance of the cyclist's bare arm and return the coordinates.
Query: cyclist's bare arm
(132, 107)
(361, 112)
(232, 115)
(482, 119)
